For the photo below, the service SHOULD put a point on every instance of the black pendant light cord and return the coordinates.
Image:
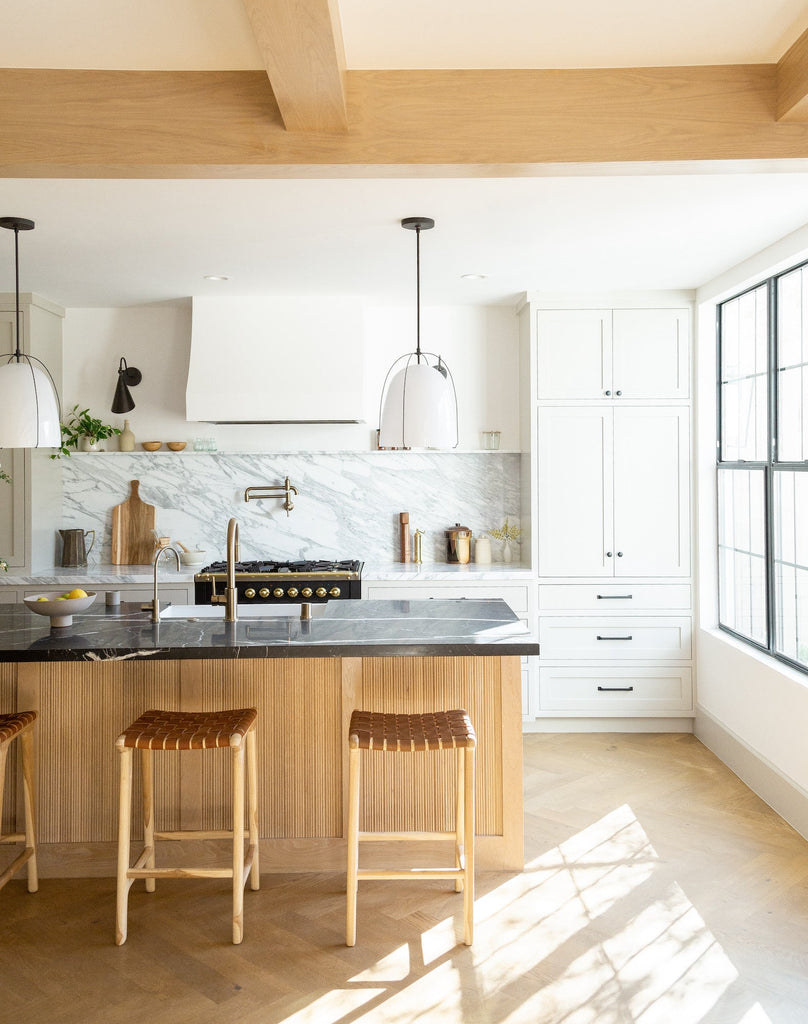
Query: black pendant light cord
(17, 352)
(418, 293)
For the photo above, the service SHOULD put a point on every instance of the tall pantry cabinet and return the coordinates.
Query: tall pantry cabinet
(610, 501)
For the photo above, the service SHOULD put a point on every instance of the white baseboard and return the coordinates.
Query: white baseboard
(783, 795)
(607, 725)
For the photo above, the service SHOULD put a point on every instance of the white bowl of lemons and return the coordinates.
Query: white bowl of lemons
(61, 608)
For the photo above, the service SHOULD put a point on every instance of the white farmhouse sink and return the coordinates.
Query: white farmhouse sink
(245, 611)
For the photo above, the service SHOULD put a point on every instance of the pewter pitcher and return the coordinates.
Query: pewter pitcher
(73, 548)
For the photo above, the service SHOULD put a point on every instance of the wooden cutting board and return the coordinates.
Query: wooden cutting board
(132, 530)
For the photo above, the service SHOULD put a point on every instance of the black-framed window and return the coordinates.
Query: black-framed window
(762, 470)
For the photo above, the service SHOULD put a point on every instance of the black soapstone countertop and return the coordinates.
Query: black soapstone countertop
(342, 629)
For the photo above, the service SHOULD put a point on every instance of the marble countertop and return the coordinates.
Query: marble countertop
(108, 575)
(337, 629)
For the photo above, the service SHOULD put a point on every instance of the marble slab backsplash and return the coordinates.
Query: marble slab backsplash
(347, 506)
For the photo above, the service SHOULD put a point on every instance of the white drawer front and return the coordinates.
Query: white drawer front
(614, 638)
(516, 597)
(607, 598)
(616, 691)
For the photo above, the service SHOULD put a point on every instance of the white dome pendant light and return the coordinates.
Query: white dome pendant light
(29, 407)
(418, 407)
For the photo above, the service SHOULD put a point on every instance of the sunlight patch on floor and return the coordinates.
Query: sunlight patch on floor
(393, 967)
(587, 928)
(334, 1005)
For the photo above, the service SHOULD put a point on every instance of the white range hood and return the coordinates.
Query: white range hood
(267, 360)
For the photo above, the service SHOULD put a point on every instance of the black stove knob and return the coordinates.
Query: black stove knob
(277, 592)
(321, 592)
(335, 591)
(263, 592)
(291, 592)
(249, 592)
(306, 592)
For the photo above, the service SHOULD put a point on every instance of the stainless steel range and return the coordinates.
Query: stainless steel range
(266, 582)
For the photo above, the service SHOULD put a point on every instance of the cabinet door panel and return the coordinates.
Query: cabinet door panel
(612, 638)
(651, 492)
(650, 353)
(616, 691)
(575, 492)
(574, 353)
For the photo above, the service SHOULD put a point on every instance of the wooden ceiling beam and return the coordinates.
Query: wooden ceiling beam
(792, 82)
(301, 45)
(227, 124)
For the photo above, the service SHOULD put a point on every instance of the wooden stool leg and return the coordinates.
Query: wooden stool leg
(147, 774)
(27, 744)
(468, 844)
(460, 798)
(252, 807)
(124, 816)
(238, 844)
(353, 843)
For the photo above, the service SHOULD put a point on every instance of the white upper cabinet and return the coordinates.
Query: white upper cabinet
(588, 354)
(613, 491)
(574, 353)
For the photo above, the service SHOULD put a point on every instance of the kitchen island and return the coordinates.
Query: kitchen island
(89, 680)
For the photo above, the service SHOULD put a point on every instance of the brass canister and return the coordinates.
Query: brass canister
(458, 544)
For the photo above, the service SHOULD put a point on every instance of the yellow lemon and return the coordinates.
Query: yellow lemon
(78, 592)
(42, 599)
(62, 597)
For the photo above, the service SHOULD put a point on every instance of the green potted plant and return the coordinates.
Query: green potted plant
(83, 432)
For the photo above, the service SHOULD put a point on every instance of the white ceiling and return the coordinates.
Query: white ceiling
(216, 34)
(115, 242)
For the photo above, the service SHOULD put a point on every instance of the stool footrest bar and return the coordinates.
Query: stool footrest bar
(179, 873)
(382, 873)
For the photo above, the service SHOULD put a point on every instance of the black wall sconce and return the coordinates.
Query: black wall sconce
(128, 377)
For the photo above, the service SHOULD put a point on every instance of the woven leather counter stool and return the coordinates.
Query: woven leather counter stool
(185, 730)
(20, 724)
(397, 734)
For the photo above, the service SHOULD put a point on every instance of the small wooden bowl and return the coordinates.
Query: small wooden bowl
(151, 446)
(176, 446)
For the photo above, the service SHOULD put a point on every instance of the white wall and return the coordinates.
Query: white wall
(478, 343)
(759, 705)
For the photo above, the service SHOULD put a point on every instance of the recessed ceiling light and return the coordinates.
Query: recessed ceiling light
(216, 277)
(473, 277)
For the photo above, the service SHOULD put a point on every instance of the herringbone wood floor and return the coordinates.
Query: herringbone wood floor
(658, 890)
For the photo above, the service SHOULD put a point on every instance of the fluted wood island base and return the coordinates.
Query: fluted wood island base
(304, 706)
(88, 681)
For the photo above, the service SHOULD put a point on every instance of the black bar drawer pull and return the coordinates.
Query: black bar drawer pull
(615, 689)
(615, 597)
(629, 637)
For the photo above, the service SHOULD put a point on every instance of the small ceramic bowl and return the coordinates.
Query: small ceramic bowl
(176, 446)
(193, 557)
(151, 446)
(60, 611)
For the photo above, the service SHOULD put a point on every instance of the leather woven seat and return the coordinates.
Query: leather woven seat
(12, 724)
(417, 734)
(20, 724)
(437, 730)
(188, 730)
(158, 730)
